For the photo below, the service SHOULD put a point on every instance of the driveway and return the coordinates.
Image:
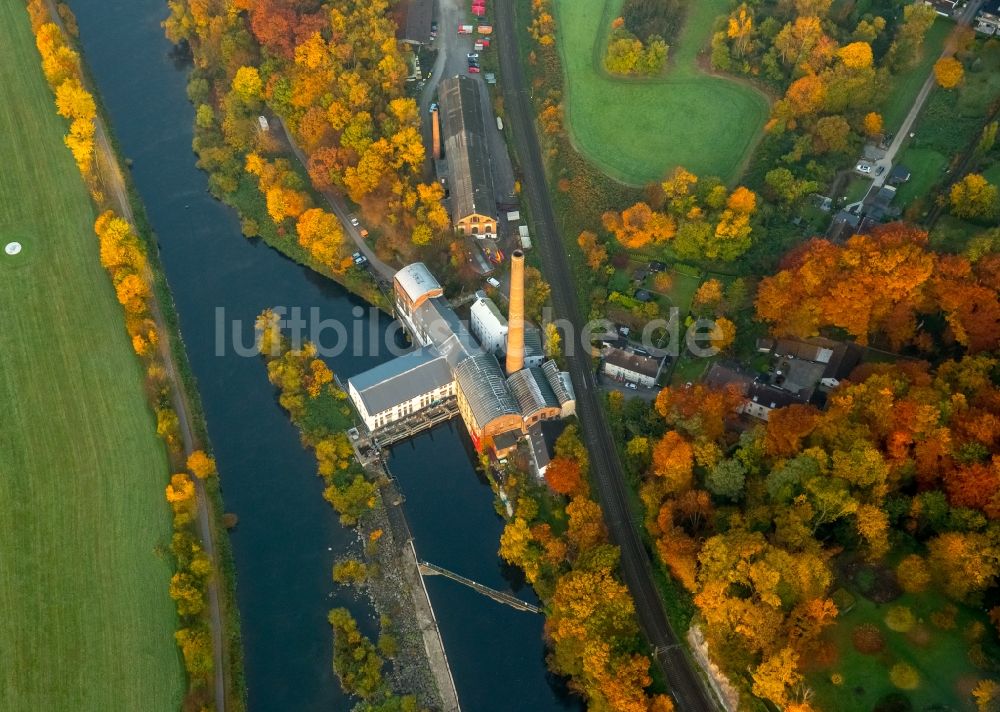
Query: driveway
(918, 104)
(452, 60)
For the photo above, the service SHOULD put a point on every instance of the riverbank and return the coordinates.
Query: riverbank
(82, 496)
(114, 191)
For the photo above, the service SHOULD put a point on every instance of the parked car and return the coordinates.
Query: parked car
(879, 170)
(433, 108)
(473, 55)
(863, 167)
(363, 232)
(358, 258)
(493, 282)
(473, 69)
(632, 386)
(354, 221)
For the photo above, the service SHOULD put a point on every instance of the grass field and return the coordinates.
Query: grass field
(905, 86)
(926, 168)
(87, 621)
(639, 129)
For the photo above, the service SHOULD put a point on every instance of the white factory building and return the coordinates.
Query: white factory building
(498, 408)
(488, 324)
(401, 387)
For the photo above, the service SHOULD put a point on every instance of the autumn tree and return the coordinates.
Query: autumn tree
(949, 72)
(639, 226)
(594, 252)
(873, 124)
(708, 295)
(201, 465)
(905, 48)
(563, 476)
(973, 197)
(673, 460)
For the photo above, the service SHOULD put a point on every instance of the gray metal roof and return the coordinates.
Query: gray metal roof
(561, 386)
(484, 387)
(636, 363)
(401, 379)
(532, 391)
(466, 148)
(440, 326)
(532, 341)
(416, 280)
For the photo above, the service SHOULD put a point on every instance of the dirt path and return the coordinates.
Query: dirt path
(116, 193)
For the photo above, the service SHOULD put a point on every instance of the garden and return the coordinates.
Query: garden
(893, 649)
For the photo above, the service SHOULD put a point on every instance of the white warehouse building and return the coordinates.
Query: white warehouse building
(488, 325)
(401, 387)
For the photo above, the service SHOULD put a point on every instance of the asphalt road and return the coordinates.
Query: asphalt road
(886, 162)
(670, 654)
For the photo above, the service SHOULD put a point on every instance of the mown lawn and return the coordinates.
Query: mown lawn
(637, 130)
(946, 659)
(905, 86)
(926, 168)
(87, 623)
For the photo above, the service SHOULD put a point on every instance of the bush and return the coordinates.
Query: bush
(904, 676)
(945, 618)
(867, 639)
(913, 574)
(900, 619)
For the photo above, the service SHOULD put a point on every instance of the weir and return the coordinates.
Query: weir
(428, 569)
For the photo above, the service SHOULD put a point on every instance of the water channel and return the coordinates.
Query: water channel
(288, 536)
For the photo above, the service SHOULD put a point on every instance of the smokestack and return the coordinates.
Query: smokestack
(515, 316)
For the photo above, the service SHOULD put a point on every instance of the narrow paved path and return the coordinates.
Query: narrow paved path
(339, 208)
(903, 133)
(669, 652)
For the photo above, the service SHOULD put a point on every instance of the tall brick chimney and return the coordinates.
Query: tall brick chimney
(515, 316)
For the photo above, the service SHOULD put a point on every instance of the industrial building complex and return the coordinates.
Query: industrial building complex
(498, 405)
(466, 148)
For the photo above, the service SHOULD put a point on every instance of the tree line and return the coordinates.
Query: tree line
(559, 540)
(124, 256)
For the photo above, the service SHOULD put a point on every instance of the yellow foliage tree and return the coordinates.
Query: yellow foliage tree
(248, 85)
(973, 197)
(723, 334)
(873, 123)
(320, 233)
(201, 465)
(949, 72)
(856, 55)
(640, 225)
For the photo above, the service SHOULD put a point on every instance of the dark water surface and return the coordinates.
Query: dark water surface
(288, 536)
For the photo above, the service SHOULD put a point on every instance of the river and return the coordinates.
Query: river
(288, 536)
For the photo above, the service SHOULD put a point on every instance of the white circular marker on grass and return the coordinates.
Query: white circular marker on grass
(12, 248)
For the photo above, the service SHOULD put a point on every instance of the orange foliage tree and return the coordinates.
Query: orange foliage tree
(876, 283)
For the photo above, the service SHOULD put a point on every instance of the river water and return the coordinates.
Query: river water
(288, 536)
